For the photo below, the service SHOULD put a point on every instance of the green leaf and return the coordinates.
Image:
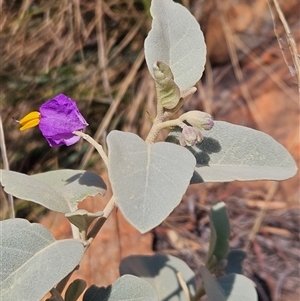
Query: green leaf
(232, 287)
(161, 272)
(219, 236)
(128, 287)
(148, 180)
(177, 40)
(59, 190)
(75, 289)
(231, 152)
(82, 219)
(32, 261)
(167, 91)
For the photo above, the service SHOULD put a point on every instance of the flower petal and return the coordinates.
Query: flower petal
(60, 117)
(64, 139)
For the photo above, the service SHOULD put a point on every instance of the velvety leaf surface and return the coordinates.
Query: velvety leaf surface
(58, 190)
(73, 185)
(29, 188)
(232, 287)
(32, 261)
(148, 180)
(177, 40)
(161, 272)
(231, 152)
(128, 287)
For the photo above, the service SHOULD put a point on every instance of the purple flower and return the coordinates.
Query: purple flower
(57, 119)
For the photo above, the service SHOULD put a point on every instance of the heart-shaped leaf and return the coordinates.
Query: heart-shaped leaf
(177, 40)
(148, 180)
(32, 261)
(127, 288)
(232, 152)
(161, 272)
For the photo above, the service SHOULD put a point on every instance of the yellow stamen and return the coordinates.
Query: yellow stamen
(31, 120)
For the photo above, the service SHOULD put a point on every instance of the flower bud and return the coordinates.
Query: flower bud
(198, 119)
(190, 136)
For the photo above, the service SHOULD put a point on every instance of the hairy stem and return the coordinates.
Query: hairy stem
(158, 126)
(152, 135)
(94, 143)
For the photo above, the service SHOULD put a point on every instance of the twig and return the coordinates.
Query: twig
(269, 71)
(184, 286)
(102, 60)
(290, 38)
(237, 68)
(6, 167)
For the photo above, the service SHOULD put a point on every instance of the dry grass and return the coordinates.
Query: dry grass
(87, 50)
